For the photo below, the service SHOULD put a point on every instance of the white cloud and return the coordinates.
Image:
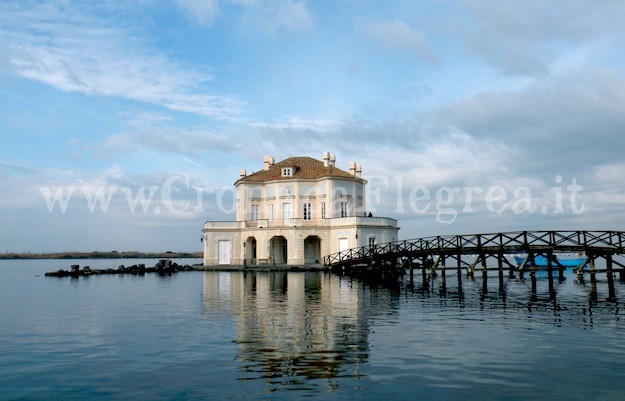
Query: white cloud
(299, 123)
(273, 15)
(203, 12)
(114, 145)
(111, 201)
(396, 36)
(71, 51)
(144, 119)
(567, 125)
(168, 140)
(528, 37)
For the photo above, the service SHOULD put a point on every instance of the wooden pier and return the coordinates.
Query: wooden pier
(480, 253)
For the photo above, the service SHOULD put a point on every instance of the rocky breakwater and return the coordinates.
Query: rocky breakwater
(164, 266)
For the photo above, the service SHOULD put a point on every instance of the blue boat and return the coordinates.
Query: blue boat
(541, 261)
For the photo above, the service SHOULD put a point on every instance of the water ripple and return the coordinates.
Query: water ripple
(234, 335)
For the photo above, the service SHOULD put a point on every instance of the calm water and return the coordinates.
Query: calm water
(228, 336)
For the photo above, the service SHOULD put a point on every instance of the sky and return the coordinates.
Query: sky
(124, 125)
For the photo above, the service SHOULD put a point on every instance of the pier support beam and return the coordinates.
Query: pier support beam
(593, 279)
(552, 293)
(443, 275)
(484, 273)
(500, 257)
(534, 296)
(610, 276)
(424, 275)
(433, 252)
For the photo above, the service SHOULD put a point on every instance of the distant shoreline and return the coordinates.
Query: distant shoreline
(102, 255)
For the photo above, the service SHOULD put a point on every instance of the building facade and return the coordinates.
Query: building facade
(296, 212)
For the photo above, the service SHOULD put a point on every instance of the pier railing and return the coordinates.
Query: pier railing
(605, 242)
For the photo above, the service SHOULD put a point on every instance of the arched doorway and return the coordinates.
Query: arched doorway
(312, 249)
(250, 250)
(278, 250)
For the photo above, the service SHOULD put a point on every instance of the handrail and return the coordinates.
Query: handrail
(514, 241)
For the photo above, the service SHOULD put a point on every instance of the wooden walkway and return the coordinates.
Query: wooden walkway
(490, 251)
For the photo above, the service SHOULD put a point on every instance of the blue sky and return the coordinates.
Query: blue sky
(104, 97)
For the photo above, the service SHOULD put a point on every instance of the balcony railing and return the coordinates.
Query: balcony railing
(362, 221)
(299, 222)
(224, 225)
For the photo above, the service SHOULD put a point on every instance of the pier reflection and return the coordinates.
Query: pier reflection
(562, 297)
(296, 326)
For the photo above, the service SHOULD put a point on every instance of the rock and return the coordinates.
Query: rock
(163, 267)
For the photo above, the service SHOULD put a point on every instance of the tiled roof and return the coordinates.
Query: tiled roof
(303, 168)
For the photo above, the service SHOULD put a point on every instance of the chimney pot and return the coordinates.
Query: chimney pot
(332, 159)
(326, 159)
(243, 173)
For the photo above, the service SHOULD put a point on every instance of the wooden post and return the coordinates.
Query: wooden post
(434, 266)
(530, 258)
(484, 269)
(470, 268)
(484, 275)
(580, 269)
(500, 257)
(443, 277)
(484, 284)
(608, 264)
(424, 276)
(460, 293)
(552, 293)
(593, 279)
(483, 260)
(560, 272)
(534, 296)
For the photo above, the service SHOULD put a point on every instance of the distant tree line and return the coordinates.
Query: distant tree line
(101, 255)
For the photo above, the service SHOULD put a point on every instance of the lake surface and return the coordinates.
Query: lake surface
(235, 336)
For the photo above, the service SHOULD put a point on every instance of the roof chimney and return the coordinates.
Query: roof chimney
(243, 173)
(272, 161)
(326, 159)
(266, 162)
(358, 171)
(332, 159)
(352, 168)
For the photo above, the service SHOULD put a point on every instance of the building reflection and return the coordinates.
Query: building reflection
(296, 326)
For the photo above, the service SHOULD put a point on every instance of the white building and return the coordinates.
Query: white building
(296, 212)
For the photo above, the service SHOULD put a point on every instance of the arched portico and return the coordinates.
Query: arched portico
(312, 249)
(278, 250)
(250, 250)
